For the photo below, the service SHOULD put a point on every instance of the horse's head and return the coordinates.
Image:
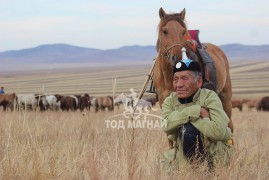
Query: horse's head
(172, 36)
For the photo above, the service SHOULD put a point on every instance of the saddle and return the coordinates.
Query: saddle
(209, 76)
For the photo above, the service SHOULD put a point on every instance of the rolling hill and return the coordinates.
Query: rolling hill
(64, 54)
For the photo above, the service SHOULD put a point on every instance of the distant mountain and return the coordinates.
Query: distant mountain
(248, 52)
(63, 53)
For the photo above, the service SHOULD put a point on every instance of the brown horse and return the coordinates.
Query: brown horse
(263, 104)
(103, 102)
(8, 100)
(172, 36)
(67, 102)
(237, 104)
(84, 101)
(251, 103)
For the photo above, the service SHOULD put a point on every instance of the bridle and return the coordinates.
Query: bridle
(167, 49)
(189, 45)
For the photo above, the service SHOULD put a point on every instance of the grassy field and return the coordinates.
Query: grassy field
(70, 145)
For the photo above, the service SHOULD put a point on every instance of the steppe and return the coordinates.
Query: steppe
(75, 145)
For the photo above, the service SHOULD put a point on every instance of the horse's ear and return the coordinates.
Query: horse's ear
(161, 13)
(182, 14)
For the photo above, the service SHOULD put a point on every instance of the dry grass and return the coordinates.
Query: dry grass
(68, 145)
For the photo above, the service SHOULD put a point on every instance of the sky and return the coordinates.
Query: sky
(111, 24)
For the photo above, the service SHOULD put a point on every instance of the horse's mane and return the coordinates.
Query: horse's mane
(165, 20)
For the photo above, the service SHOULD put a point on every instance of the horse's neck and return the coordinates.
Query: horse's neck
(166, 71)
(164, 63)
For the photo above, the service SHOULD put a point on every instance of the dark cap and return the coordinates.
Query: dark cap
(187, 65)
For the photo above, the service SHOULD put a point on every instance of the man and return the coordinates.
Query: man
(2, 90)
(194, 120)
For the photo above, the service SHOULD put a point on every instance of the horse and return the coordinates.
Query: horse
(8, 100)
(103, 102)
(93, 101)
(173, 35)
(125, 100)
(84, 101)
(50, 102)
(67, 102)
(30, 101)
(263, 104)
(251, 103)
(129, 106)
(237, 104)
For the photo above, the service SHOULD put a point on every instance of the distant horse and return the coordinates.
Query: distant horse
(66, 102)
(8, 100)
(30, 101)
(103, 102)
(50, 102)
(251, 103)
(172, 36)
(84, 102)
(237, 104)
(92, 101)
(129, 108)
(263, 104)
(125, 100)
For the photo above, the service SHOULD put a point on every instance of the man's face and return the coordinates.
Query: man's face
(185, 85)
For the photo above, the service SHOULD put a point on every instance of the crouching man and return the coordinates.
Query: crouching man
(194, 119)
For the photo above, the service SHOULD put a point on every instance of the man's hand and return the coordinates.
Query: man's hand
(204, 112)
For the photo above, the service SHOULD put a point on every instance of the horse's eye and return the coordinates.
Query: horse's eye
(183, 33)
(165, 32)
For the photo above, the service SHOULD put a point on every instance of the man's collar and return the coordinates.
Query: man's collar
(188, 99)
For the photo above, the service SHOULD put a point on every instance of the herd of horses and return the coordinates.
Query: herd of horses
(260, 105)
(9, 101)
(42, 102)
(55, 102)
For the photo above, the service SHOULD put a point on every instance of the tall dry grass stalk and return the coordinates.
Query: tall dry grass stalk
(68, 145)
